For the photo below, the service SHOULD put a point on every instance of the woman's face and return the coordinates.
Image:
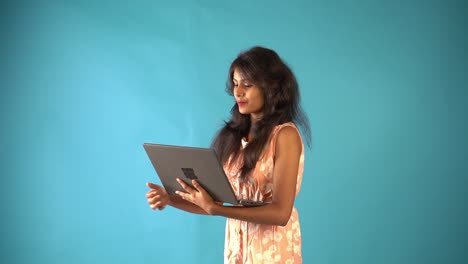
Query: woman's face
(248, 96)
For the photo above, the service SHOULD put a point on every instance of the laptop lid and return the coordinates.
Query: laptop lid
(188, 163)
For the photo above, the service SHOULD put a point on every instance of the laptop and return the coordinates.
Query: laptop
(190, 163)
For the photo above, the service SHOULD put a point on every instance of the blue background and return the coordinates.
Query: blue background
(85, 83)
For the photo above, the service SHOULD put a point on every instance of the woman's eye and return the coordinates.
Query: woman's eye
(247, 84)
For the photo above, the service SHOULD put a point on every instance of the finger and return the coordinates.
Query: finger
(154, 207)
(151, 193)
(184, 196)
(150, 201)
(160, 206)
(153, 186)
(154, 196)
(155, 199)
(185, 186)
(198, 186)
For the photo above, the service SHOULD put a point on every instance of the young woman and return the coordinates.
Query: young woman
(263, 156)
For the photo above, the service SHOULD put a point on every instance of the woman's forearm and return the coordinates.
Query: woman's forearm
(179, 203)
(269, 214)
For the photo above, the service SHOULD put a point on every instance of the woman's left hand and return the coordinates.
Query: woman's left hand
(197, 196)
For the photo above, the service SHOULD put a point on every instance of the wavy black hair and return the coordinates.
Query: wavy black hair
(280, 90)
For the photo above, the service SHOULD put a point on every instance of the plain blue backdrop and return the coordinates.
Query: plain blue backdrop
(85, 83)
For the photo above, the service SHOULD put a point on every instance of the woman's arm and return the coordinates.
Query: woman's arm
(179, 203)
(287, 154)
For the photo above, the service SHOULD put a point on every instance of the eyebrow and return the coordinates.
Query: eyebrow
(241, 80)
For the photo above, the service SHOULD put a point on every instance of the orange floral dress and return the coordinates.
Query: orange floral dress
(251, 243)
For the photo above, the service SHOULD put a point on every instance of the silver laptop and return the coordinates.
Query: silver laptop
(189, 163)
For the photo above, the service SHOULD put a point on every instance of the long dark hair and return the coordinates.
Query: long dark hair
(280, 89)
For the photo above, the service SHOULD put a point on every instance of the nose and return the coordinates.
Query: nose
(239, 92)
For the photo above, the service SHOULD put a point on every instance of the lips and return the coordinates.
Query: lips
(241, 103)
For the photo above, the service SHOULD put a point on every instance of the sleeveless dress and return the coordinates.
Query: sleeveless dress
(251, 243)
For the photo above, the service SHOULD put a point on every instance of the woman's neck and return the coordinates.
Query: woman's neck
(254, 118)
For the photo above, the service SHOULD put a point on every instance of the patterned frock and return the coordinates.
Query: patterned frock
(251, 243)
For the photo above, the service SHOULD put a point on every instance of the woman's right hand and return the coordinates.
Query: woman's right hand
(157, 196)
